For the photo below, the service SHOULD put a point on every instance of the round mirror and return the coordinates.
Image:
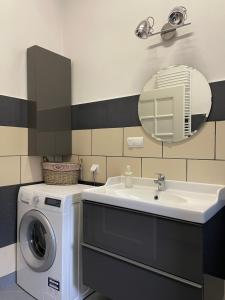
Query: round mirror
(174, 103)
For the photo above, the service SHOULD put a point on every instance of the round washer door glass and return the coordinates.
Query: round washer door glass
(37, 241)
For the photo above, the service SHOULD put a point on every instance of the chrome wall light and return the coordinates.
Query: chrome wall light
(177, 16)
(176, 19)
(145, 29)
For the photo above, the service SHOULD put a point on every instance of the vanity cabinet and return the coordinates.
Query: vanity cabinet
(129, 254)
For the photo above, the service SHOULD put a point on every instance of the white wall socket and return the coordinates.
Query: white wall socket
(135, 142)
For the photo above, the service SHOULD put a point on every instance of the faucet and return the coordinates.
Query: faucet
(160, 182)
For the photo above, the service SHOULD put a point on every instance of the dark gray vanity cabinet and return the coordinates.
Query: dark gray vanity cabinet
(130, 255)
(49, 90)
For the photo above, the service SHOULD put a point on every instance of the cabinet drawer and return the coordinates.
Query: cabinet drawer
(169, 245)
(120, 280)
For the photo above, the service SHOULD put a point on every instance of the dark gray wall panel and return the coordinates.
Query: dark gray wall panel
(13, 111)
(197, 121)
(218, 101)
(123, 112)
(120, 112)
(8, 213)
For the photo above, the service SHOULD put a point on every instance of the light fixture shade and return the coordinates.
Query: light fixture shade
(144, 28)
(177, 16)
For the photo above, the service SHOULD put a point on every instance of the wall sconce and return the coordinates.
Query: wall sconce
(176, 19)
(177, 16)
(145, 29)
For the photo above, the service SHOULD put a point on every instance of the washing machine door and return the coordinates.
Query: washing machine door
(37, 241)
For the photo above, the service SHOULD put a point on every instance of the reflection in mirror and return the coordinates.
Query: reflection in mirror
(174, 103)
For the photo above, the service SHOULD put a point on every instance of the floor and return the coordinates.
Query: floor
(15, 293)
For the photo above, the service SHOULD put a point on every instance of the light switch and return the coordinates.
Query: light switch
(135, 142)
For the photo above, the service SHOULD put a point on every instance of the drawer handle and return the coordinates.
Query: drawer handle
(140, 265)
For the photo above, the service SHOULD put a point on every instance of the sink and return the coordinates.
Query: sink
(148, 194)
(189, 201)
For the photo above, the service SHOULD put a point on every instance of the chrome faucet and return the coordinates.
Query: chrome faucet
(161, 182)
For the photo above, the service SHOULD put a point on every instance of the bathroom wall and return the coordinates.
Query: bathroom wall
(26, 23)
(23, 23)
(200, 159)
(110, 61)
(16, 168)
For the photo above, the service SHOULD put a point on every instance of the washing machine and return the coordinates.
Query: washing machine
(48, 249)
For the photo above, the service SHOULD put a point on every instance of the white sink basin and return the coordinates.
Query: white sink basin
(194, 202)
(148, 194)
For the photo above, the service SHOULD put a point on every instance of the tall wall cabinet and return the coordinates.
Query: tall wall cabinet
(49, 90)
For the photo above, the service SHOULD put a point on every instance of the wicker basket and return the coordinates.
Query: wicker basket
(60, 173)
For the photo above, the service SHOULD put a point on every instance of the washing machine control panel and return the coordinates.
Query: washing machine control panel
(52, 202)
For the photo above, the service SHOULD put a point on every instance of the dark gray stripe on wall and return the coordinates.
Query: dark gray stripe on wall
(123, 112)
(218, 101)
(119, 112)
(8, 213)
(13, 111)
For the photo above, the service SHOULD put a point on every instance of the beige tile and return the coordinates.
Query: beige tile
(220, 140)
(174, 169)
(200, 146)
(74, 158)
(87, 162)
(108, 141)
(81, 142)
(151, 147)
(9, 170)
(208, 171)
(116, 166)
(13, 141)
(31, 169)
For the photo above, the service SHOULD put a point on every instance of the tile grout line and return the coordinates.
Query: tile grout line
(147, 157)
(215, 137)
(91, 141)
(123, 144)
(20, 170)
(106, 166)
(186, 169)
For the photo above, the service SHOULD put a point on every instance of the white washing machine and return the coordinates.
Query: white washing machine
(48, 249)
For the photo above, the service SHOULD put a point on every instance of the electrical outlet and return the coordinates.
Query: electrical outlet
(135, 142)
